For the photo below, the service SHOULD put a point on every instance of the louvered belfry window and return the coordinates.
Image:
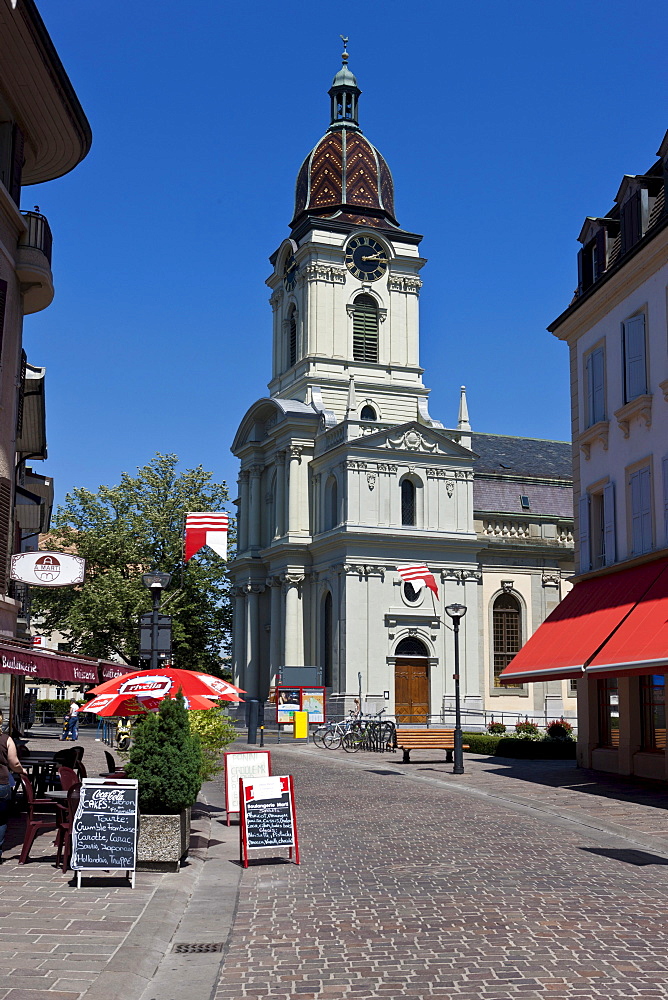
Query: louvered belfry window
(365, 329)
(292, 339)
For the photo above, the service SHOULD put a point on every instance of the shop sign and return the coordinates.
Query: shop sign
(48, 569)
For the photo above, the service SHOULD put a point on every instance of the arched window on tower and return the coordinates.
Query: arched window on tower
(507, 632)
(331, 503)
(408, 503)
(368, 413)
(365, 329)
(292, 337)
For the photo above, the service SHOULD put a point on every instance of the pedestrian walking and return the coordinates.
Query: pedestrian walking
(9, 765)
(72, 731)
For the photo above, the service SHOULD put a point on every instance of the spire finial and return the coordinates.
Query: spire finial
(344, 54)
(463, 419)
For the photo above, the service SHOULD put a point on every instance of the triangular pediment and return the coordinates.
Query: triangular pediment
(412, 437)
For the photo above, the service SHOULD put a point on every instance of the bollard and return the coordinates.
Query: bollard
(252, 713)
(261, 736)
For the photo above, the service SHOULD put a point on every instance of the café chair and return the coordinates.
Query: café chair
(67, 758)
(68, 778)
(35, 822)
(111, 763)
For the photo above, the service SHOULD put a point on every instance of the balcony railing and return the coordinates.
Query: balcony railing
(38, 234)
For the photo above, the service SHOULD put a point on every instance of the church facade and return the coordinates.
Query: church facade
(345, 476)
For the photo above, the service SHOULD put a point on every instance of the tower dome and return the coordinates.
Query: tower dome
(344, 176)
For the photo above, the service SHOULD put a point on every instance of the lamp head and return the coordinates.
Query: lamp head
(456, 611)
(157, 579)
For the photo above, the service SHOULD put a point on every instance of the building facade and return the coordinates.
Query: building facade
(612, 628)
(345, 475)
(44, 134)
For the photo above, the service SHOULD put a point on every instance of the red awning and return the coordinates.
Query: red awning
(640, 644)
(54, 668)
(580, 625)
(111, 670)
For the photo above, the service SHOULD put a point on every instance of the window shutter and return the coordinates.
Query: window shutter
(609, 540)
(585, 268)
(634, 357)
(641, 511)
(598, 385)
(365, 329)
(665, 499)
(583, 529)
(601, 248)
(3, 306)
(646, 509)
(630, 217)
(21, 394)
(17, 164)
(5, 521)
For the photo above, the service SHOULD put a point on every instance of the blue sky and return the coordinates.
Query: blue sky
(504, 126)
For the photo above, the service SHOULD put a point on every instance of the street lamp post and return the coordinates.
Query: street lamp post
(156, 582)
(456, 613)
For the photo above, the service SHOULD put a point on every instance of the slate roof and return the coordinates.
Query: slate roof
(491, 496)
(518, 456)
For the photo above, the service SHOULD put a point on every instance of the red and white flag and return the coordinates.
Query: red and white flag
(419, 576)
(206, 529)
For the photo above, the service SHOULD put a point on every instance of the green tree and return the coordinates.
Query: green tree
(215, 731)
(123, 531)
(166, 759)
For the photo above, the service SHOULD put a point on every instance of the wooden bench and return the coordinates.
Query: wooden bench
(426, 739)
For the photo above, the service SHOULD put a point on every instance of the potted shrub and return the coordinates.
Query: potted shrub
(166, 759)
(496, 728)
(215, 731)
(559, 729)
(527, 730)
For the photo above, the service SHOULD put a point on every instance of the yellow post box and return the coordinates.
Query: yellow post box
(300, 725)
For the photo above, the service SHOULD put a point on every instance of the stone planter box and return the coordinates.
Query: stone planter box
(163, 841)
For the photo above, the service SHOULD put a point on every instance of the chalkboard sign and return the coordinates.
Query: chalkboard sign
(267, 815)
(244, 764)
(104, 835)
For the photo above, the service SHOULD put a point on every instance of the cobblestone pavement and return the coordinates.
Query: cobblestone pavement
(412, 888)
(56, 940)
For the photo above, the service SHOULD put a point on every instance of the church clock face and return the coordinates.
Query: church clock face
(366, 259)
(290, 273)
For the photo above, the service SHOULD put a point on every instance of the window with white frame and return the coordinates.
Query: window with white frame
(635, 357)
(595, 386)
(640, 506)
(597, 528)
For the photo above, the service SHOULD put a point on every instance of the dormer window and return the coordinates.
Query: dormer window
(368, 413)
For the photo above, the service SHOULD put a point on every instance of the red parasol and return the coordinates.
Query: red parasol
(143, 690)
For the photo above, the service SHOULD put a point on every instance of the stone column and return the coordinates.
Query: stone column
(276, 634)
(280, 494)
(240, 636)
(293, 490)
(255, 512)
(252, 680)
(242, 523)
(316, 504)
(293, 638)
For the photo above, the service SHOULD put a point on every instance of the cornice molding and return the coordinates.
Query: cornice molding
(640, 407)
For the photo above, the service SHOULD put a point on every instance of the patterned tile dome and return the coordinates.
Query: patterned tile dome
(344, 176)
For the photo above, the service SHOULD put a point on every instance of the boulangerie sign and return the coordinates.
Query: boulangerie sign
(267, 815)
(48, 569)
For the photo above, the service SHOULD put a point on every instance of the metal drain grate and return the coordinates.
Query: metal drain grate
(193, 949)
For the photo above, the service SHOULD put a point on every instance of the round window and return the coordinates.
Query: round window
(411, 594)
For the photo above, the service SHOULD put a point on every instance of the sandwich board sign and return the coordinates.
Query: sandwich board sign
(248, 764)
(267, 815)
(104, 832)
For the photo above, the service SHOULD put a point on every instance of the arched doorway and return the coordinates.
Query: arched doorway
(411, 682)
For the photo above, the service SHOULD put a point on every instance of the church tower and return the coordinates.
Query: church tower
(344, 474)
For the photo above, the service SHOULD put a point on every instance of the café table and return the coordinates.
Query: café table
(40, 767)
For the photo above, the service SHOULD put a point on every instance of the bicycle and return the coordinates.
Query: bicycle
(371, 733)
(331, 735)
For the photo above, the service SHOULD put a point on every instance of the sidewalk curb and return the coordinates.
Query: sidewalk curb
(137, 959)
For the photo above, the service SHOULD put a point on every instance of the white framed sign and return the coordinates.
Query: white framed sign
(48, 569)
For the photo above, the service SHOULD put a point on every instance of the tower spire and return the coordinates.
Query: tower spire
(463, 424)
(344, 94)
